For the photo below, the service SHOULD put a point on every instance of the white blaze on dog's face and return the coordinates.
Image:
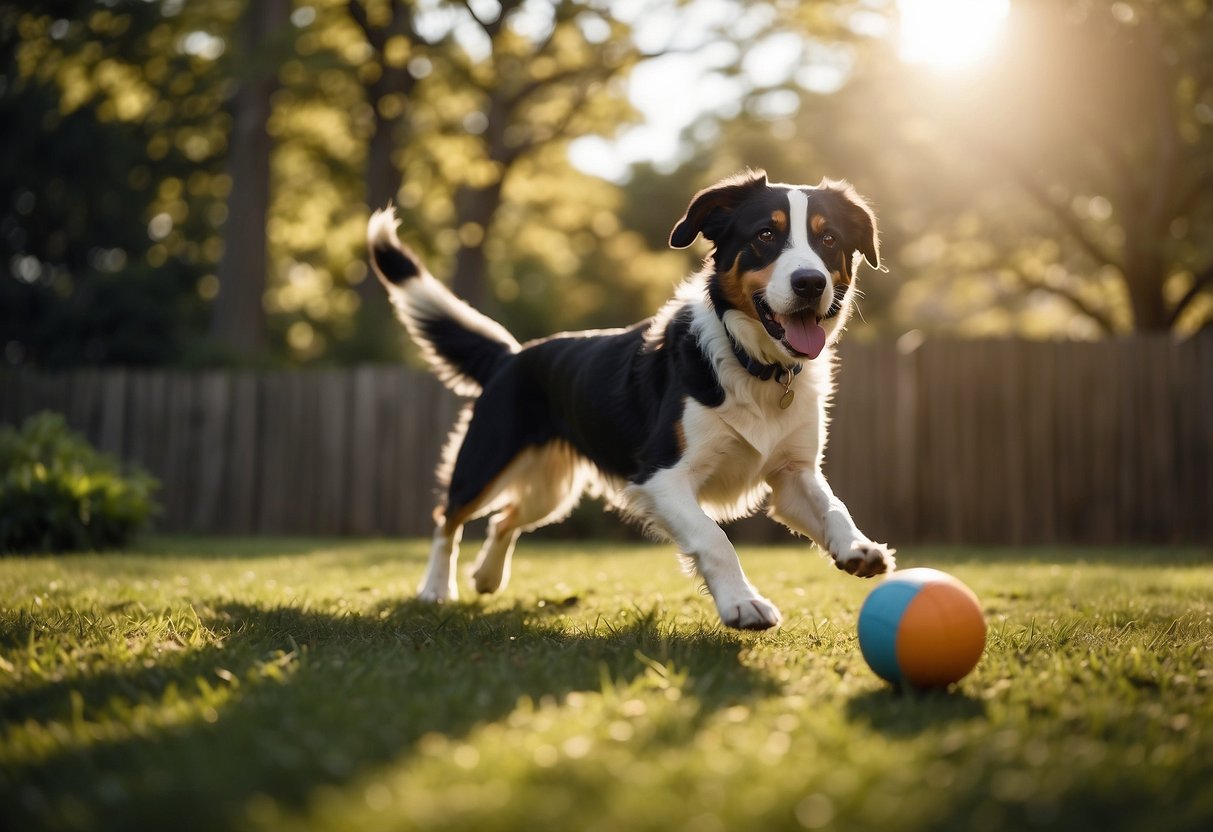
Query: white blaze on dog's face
(784, 259)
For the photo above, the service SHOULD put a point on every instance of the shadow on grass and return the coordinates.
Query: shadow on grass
(243, 547)
(293, 699)
(907, 712)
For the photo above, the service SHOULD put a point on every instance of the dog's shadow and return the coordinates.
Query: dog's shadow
(300, 698)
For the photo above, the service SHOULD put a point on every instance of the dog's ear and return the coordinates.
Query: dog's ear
(869, 236)
(709, 211)
(862, 220)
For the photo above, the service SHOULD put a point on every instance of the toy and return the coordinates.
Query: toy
(921, 628)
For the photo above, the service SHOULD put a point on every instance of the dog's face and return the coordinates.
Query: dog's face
(785, 255)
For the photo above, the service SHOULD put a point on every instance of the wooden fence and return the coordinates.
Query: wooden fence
(977, 442)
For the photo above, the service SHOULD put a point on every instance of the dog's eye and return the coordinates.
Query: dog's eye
(766, 235)
(828, 240)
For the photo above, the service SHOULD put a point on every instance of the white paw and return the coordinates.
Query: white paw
(487, 582)
(755, 613)
(865, 559)
(437, 594)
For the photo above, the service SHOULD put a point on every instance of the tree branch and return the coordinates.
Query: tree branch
(492, 28)
(587, 73)
(1066, 217)
(1199, 283)
(1029, 182)
(358, 13)
(377, 37)
(1077, 301)
(1200, 186)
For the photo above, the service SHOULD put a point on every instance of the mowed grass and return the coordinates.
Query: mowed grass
(263, 685)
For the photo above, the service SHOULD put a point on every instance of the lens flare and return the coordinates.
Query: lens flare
(948, 33)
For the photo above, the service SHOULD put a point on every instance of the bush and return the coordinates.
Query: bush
(57, 493)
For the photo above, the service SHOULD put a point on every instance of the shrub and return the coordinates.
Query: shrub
(57, 493)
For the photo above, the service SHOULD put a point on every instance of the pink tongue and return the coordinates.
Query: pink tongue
(804, 333)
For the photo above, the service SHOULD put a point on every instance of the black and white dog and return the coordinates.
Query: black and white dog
(697, 415)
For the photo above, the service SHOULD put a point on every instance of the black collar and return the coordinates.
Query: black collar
(758, 369)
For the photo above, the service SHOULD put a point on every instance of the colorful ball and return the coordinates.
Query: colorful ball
(921, 628)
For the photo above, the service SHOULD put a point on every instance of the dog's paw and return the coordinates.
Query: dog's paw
(865, 559)
(755, 613)
(437, 594)
(486, 582)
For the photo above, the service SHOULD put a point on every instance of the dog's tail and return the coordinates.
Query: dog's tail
(463, 347)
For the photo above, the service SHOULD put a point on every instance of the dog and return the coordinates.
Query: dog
(699, 415)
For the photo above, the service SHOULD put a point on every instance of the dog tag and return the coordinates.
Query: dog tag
(785, 401)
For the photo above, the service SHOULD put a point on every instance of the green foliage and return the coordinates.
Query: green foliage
(277, 685)
(1058, 187)
(99, 252)
(57, 493)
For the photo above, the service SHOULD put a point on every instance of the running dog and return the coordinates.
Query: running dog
(701, 414)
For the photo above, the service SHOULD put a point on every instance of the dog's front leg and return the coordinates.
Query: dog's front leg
(801, 499)
(669, 502)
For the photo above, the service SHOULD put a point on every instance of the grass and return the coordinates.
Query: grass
(284, 684)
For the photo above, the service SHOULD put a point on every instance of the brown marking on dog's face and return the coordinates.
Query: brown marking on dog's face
(740, 286)
(752, 283)
(779, 219)
(817, 222)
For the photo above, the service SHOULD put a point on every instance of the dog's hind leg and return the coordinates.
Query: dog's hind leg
(543, 485)
(492, 569)
(440, 584)
(474, 461)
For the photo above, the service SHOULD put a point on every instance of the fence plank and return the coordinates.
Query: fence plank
(242, 487)
(275, 435)
(361, 514)
(213, 409)
(332, 448)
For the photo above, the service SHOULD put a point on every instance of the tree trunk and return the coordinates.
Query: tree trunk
(1145, 273)
(382, 178)
(238, 320)
(379, 336)
(474, 205)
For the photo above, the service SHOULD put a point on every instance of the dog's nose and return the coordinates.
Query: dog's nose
(808, 283)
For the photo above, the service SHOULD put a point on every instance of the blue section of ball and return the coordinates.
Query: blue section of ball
(879, 621)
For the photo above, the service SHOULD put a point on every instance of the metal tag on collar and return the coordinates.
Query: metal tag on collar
(789, 395)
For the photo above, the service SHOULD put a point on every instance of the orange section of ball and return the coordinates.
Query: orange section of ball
(941, 635)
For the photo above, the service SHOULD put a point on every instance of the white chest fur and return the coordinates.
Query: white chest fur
(732, 449)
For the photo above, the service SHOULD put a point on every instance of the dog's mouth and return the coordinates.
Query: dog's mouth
(800, 332)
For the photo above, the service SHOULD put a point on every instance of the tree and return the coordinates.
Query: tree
(238, 321)
(1110, 132)
(1076, 163)
(100, 258)
(518, 79)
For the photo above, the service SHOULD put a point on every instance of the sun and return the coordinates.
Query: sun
(948, 33)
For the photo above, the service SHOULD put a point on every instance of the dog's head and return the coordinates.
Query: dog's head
(784, 259)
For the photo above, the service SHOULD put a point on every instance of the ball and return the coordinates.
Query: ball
(921, 628)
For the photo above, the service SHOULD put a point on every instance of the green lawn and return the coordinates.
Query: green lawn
(212, 684)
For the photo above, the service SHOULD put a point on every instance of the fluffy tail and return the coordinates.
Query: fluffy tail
(464, 347)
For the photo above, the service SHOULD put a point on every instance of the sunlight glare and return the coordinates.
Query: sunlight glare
(948, 33)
